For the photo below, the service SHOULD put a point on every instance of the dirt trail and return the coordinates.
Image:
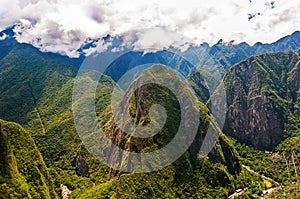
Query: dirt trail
(41, 122)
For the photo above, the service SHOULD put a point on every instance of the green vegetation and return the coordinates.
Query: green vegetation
(37, 93)
(281, 166)
(250, 183)
(40, 99)
(23, 171)
(188, 177)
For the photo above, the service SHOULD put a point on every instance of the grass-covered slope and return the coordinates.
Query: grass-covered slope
(37, 92)
(23, 172)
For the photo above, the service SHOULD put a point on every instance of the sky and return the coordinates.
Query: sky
(65, 25)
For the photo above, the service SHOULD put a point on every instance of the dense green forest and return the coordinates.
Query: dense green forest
(36, 92)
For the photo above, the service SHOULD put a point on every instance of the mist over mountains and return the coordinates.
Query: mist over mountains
(218, 57)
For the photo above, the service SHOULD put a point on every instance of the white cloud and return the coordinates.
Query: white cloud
(63, 26)
(3, 37)
(101, 46)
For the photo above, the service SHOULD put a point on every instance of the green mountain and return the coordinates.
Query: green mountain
(23, 172)
(37, 92)
(213, 174)
(263, 99)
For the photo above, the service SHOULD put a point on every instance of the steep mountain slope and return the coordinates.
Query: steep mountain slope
(203, 84)
(262, 95)
(37, 92)
(211, 171)
(23, 172)
(26, 76)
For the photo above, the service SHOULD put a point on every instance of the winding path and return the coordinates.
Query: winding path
(266, 192)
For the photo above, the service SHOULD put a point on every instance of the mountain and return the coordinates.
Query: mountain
(8, 43)
(263, 99)
(203, 84)
(27, 75)
(289, 42)
(23, 172)
(131, 60)
(215, 170)
(37, 92)
(221, 56)
(215, 59)
(228, 54)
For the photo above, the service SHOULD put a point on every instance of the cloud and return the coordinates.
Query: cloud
(3, 37)
(99, 46)
(64, 26)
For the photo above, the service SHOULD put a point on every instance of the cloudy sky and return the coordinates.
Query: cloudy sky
(64, 25)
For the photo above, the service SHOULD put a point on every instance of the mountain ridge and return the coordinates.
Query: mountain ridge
(216, 59)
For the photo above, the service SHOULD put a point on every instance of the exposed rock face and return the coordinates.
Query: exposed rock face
(65, 192)
(261, 93)
(80, 164)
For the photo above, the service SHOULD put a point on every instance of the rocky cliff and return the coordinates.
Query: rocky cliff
(261, 95)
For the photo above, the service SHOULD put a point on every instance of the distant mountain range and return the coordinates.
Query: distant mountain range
(215, 59)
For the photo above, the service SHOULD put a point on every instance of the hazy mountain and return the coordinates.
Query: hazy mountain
(220, 57)
(131, 60)
(215, 59)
